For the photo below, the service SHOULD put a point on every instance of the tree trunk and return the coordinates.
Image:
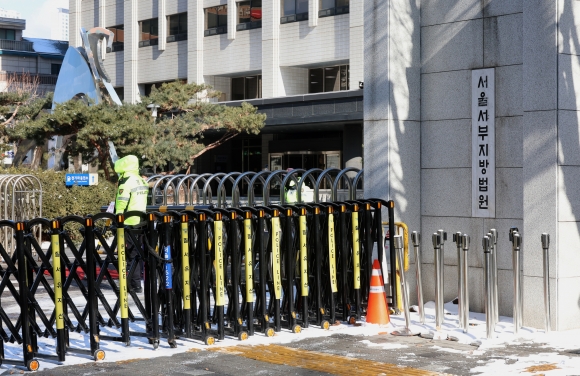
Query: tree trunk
(37, 157)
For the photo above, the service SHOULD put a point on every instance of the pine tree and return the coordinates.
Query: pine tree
(173, 139)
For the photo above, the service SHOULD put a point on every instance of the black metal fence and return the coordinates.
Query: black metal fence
(208, 273)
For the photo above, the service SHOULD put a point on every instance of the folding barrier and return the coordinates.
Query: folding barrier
(208, 272)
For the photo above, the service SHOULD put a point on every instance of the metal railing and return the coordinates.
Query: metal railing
(43, 79)
(16, 45)
(265, 187)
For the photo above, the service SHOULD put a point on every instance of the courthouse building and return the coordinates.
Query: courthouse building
(465, 112)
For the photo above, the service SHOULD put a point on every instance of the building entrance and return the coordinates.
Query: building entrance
(305, 160)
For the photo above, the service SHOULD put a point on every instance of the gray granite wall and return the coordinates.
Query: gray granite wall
(457, 37)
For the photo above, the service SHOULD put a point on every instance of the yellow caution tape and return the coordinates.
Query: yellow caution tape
(332, 253)
(303, 257)
(185, 266)
(219, 264)
(276, 257)
(57, 276)
(249, 260)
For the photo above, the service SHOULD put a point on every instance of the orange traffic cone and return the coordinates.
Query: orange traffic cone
(377, 312)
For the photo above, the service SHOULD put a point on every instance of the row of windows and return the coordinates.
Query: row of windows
(320, 80)
(8, 34)
(249, 16)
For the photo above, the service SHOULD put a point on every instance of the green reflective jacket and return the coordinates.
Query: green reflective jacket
(132, 190)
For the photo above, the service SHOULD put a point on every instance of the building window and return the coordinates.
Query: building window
(216, 20)
(8, 34)
(248, 87)
(326, 79)
(55, 69)
(120, 93)
(293, 10)
(148, 32)
(332, 7)
(177, 27)
(118, 38)
(249, 15)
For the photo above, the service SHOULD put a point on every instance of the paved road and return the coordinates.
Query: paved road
(339, 354)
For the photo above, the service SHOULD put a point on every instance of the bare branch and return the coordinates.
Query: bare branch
(226, 137)
(9, 120)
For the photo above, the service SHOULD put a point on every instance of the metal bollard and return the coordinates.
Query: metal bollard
(493, 244)
(416, 238)
(399, 250)
(488, 282)
(492, 303)
(438, 282)
(460, 278)
(546, 248)
(443, 236)
(465, 285)
(516, 240)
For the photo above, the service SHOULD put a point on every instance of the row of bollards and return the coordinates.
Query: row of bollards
(491, 303)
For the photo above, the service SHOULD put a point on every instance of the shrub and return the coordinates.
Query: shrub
(59, 200)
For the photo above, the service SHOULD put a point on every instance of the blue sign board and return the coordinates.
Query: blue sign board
(80, 179)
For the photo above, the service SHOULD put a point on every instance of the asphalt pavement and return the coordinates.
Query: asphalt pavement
(339, 354)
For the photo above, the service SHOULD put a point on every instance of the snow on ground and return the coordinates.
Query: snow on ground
(553, 341)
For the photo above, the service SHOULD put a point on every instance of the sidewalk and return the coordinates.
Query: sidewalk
(345, 349)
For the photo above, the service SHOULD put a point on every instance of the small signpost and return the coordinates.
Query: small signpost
(81, 179)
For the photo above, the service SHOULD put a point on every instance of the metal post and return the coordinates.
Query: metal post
(276, 273)
(220, 289)
(92, 297)
(516, 243)
(416, 238)
(492, 305)
(488, 280)
(465, 283)
(58, 301)
(122, 268)
(168, 281)
(185, 275)
(443, 239)
(438, 281)
(460, 278)
(151, 286)
(546, 248)
(304, 290)
(493, 243)
(356, 263)
(399, 250)
(25, 308)
(248, 266)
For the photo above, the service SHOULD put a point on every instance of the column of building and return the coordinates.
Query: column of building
(195, 28)
(551, 101)
(75, 13)
(162, 25)
(392, 106)
(272, 85)
(131, 51)
(356, 43)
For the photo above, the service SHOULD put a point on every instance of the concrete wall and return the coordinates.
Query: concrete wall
(476, 35)
(392, 122)
(566, 276)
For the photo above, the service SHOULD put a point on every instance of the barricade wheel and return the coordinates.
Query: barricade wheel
(243, 336)
(352, 320)
(33, 365)
(155, 344)
(209, 340)
(325, 325)
(270, 332)
(173, 344)
(99, 355)
(296, 329)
